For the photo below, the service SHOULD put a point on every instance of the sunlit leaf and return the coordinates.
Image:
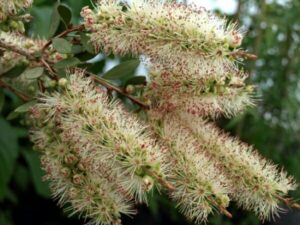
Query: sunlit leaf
(62, 45)
(122, 71)
(33, 73)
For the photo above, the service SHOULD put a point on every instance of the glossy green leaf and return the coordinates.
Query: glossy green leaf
(33, 73)
(25, 107)
(55, 21)
(87, 45)
(65, 13)
(70, 62)
(36, 173)
(136, 80)
(12, 115)
(62, 45)
(15, 72)
(2, 99)
(122, 71)
(76, 49)
(8, 154)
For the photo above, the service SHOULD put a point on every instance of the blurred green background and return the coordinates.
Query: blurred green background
(272, 32)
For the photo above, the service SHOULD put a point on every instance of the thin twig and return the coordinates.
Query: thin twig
(24, 97)
(289, 202)
(162, 181)
(62, 34)
(110, 86)
(49, 69)
(221, 208)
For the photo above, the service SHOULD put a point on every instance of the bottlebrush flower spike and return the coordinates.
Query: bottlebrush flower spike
(200, 188)
(11, 7)
(10, 58)
(90, 192)
(102, 129)
(206, 97)
(255, 183)
(182, 38)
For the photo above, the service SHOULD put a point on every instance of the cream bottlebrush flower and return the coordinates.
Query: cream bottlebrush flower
(200, 187)
(198, 96)
(78, 181)
(182, 38)
(104, 130)
(11, 59)
(256, 184)
(11, 7)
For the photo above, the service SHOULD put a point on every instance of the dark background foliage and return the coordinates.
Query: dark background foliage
(273, 33)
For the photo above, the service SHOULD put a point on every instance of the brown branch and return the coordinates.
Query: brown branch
(162, 181)
(62, 34)
(24, 97)
(289, 202)
(49, 68)
(221, 208)
(110, 86)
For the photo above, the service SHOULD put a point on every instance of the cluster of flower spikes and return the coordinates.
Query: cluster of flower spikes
(98, 157)
(10, 59)
(12, 7)
(199, 188)
(189, 52)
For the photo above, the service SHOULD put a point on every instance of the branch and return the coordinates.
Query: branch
(110, 86)
(24, 97)
(289, 202)
(162, 181)
(62, 34)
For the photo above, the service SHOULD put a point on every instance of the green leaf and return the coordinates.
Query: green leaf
(33, 73)
(25, 107)
(9, 150)
(62, 45)
(136, 80)
(12, 115)
(123, 70)
(86, 43)
(65, 13)
(21, 177)
(2, 99)
(5, 218)
(76, 49)
(36, 173)
(55, 21)
(41, 23)
(15, 72)
(70, 62)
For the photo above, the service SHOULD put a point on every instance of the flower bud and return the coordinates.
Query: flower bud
(65, 172)
(78, 179)
(70, 159)
(62, 82)
(148, 182)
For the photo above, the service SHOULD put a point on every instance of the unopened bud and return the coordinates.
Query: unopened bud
(71, 159)
(130, 89)
(73, 193)
(65, 172)
(77, 179)
(62, 82)
(148, 182)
